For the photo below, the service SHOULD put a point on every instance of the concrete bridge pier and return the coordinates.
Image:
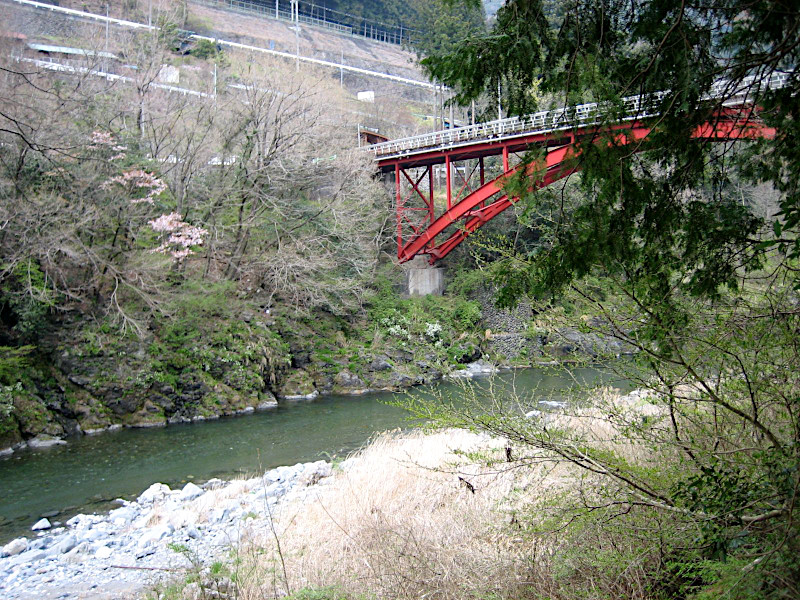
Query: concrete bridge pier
(423, 279)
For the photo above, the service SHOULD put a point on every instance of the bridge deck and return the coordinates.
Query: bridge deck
(484, 139)
(422, 227)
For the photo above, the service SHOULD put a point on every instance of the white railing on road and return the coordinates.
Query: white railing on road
(563, 119)
(221, 42)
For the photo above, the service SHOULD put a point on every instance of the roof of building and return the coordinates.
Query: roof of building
(68, 50)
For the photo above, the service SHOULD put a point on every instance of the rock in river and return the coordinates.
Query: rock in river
(41, 525)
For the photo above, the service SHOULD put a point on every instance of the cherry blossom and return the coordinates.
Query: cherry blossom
(182, 236)
(137, 178)
(105, 140)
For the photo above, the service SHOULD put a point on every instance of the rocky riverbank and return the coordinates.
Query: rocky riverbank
(161, 534)
(218, 355)
(215, 354)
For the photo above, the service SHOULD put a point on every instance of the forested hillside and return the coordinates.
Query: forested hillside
(172, 256)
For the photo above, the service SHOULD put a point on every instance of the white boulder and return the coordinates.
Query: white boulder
(189, 492)
(155, 492)
(41, 525)
(67, 543)
(182, 518)
(155, 534)
(15, 547)
(45, 441)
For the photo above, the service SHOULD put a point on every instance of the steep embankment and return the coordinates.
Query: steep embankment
(214, 353)
(262, 31)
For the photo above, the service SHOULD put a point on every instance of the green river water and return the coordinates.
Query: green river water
(88, 472)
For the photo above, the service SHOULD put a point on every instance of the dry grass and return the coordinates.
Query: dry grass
(397, 522)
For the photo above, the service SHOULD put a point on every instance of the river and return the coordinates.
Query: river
(86, 474)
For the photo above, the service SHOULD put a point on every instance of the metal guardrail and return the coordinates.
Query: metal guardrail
(372, 33)
(571, 117)
(250, 48)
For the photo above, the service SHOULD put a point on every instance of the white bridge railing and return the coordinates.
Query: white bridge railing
(570, 117)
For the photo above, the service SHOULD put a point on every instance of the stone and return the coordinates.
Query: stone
(298, 386)
(189, 492)
(67, 543)
(380, 363)
(15, 547)
(143, 521)
(178, 418)
(181, 518)
(400, 380)
(314, 472)
(153, 493)
(27, 557)
(103, 552)
(122, 516)
(153, 535)
(219, 515)
(125, 560)
(39, 543)
(552, 403)
(94, 535)
(45, 441)
(79, 553)
(41, 525)
(310, 396)
(79, 380)
(481, 368)
(146, 551)
(75, 521)
(192, 591)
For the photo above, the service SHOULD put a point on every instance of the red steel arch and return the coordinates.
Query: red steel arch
(420, 231)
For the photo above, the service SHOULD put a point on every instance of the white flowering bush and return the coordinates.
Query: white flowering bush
(433, 330)
(397, 327)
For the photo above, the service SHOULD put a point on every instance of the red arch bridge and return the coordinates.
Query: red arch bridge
(472, 198)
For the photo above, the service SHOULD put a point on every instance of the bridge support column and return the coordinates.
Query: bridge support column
(423, 279)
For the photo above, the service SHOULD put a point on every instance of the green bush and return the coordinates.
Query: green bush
(13, 362)
(30, 298)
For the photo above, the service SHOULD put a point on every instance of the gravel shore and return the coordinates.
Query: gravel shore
(124, 552)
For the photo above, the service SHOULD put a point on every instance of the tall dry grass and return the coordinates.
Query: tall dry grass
(397, 522)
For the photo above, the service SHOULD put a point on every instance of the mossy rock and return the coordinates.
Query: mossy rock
(150, 415)
(9, 433)
(298, 383)
(94, 420)
(347, 382)
(33, 416)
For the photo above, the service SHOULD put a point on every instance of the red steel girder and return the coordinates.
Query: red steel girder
(403, 210)
(473, 211)
(449, 217)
